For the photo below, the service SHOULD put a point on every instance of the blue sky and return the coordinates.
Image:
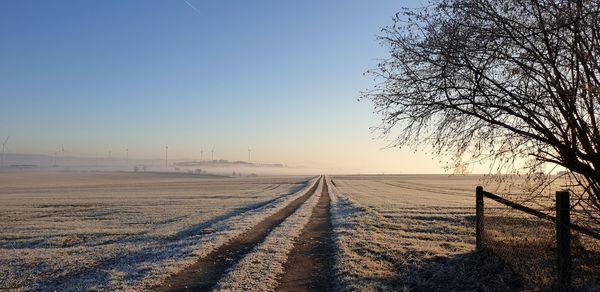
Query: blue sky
(281, 77)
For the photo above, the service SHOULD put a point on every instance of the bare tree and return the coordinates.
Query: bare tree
(508, 81)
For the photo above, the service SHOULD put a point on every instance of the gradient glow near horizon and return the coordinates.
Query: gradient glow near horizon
(280, 77)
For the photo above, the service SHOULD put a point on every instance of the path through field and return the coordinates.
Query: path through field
(310, 264)
(311, 253)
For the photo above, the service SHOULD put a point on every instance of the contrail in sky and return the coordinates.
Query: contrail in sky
(192, 6)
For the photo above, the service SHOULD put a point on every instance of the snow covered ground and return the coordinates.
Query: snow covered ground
(69, 231)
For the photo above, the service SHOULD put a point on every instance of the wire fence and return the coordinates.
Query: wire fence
(551, 249)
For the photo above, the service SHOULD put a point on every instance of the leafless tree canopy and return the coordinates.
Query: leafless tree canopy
(515, 82)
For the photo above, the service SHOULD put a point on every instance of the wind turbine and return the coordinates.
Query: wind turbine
(213, 153)
(249, 151)
(109, 158)
(201, 153)
(62, 157)
(127, 156)
(62, 151)
(3, 149)
(166, 156)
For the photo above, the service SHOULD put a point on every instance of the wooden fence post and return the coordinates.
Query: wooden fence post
(479, 244)
(563, 241)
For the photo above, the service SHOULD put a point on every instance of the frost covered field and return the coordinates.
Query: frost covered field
(68, 231)
(159, 231)
(409, 232)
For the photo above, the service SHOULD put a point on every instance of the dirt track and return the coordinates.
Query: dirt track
(310, 263)
(206, 272)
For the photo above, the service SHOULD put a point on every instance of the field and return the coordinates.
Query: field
(411, 232)
(120, 230)
(175, 232)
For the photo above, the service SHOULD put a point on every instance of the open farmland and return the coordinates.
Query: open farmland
(121, 230)
(179, 232)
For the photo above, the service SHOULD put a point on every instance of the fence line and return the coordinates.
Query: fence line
(562, 222)
(539, 214)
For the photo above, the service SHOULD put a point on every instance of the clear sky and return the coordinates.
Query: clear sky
(282, 77)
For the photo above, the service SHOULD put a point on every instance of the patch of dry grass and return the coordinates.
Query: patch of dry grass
(527, 244)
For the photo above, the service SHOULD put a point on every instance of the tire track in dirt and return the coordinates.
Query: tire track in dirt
(206, 272)
(310, 263)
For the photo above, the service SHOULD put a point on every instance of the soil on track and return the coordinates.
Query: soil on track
(207, 271)
(310, 263)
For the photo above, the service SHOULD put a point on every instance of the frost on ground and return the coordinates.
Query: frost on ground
(260, 269)
(115, 231)
(410, 233)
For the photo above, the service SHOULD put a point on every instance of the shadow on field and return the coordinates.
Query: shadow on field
(528, 246)
(195, 229)
(472, 271)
